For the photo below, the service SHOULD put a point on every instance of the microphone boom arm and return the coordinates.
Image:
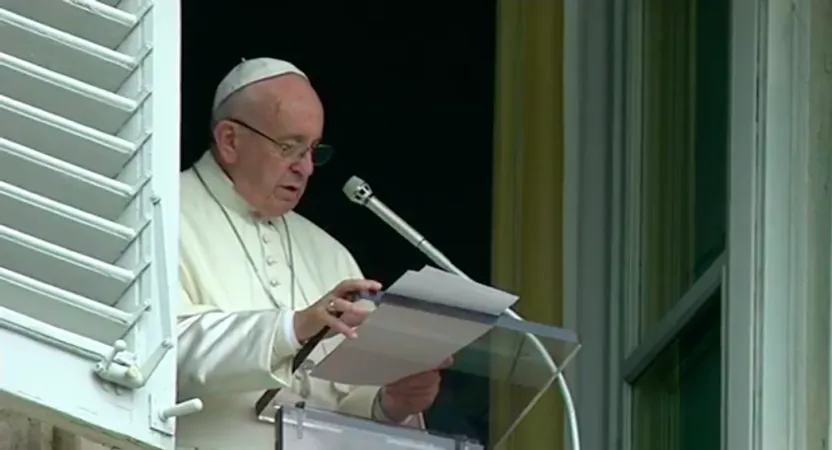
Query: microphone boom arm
(412, 236)
(358, 191)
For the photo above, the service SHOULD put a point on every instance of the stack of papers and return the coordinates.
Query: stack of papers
(395, 342)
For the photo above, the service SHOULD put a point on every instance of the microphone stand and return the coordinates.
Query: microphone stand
(443, 262)
(359, 192)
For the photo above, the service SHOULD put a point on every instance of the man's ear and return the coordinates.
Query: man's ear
(225, 140)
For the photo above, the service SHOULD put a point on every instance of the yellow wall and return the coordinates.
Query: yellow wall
(528, 188)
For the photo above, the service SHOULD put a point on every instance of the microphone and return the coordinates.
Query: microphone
(358, 191)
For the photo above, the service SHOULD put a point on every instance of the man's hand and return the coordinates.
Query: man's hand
(411, 395)
(313, 319)
(352, 318)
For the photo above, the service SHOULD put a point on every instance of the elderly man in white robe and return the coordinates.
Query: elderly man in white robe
(257, 279)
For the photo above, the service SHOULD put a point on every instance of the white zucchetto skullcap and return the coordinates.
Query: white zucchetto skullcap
(249, 72)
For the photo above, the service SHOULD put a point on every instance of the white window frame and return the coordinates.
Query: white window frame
(776, 354)
(592, 136)
(639, 352)
(777, 322)
(594, 288)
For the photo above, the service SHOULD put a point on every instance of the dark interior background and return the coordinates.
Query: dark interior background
(408, 90)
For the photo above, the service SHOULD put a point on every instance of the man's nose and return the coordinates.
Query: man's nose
(304, 166)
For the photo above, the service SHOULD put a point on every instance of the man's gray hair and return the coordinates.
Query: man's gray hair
(227, 109)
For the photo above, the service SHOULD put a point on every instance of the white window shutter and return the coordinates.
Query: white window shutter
(89, 162)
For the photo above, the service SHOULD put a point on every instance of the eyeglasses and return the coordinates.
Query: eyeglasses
(321, 153)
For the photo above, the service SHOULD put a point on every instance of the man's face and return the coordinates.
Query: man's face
(265, 149)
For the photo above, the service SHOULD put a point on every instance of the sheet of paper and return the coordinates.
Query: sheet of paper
(395, 342)
(437, 286)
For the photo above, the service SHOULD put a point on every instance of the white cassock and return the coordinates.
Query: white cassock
(236, 337)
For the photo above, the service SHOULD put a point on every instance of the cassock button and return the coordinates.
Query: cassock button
(265, 239)
(274, 283)
(270, 260)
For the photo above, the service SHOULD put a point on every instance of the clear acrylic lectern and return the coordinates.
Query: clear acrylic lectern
(303, 428)
(506, 371)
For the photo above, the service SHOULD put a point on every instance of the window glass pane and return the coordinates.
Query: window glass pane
(677, 401)
(682, 187)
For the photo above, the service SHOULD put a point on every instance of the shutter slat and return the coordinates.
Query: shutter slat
(67, 97)
(63, 225)
(113, 3)
(63, 139)
(61, 308)
(64, 53)
(63, 182)
(63, 268)
(68, 343)
(90, 20)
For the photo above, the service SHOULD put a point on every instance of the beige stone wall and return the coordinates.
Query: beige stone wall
(17, 432)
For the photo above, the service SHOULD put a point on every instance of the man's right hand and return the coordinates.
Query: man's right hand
(313, 319)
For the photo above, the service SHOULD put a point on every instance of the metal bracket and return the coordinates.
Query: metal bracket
(156, 423)
(463, 442)
(300, 417)
(121, 366)
(156, 357)
(135, 316)
(161, 420)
